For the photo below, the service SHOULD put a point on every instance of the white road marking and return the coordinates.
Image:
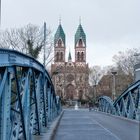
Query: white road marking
(105, 129)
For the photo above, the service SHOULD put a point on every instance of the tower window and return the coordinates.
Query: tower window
(80, 42)
(82, 56)
(57, 56)
(61, 56)
(78, 56)
(59, 42)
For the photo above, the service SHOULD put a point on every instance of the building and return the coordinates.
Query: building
(71, 79)
(105, 85)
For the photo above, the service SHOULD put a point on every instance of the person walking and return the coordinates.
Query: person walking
(90, 106)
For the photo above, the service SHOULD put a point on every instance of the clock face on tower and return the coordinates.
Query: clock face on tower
(70, 77)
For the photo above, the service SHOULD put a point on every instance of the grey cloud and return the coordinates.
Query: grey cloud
(105, 21)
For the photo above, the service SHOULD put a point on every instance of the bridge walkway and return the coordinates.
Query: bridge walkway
(84, 125)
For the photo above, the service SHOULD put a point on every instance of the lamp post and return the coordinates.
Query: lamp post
(114, 85)
(137, 67)
(44, 45)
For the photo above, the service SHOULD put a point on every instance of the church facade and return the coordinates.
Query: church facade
(71, 79)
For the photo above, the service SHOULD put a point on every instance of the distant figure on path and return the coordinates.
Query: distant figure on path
(90, 106)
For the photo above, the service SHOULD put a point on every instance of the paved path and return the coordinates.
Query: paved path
(85, 125)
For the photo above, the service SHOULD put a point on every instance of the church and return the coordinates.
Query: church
(71, 79)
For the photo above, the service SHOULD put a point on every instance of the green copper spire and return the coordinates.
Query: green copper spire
(59, 34)
(69, 58)
(80, 34)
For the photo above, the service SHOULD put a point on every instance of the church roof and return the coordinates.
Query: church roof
(80, 34)
(59, 34)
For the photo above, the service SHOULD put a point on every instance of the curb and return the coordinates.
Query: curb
(119, 117)
(56, 124)
(51, 129)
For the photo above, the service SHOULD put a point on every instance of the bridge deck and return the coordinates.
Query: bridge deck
(85, 125)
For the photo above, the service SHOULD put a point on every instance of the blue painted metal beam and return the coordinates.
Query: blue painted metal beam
(126, 105)
(27, 96)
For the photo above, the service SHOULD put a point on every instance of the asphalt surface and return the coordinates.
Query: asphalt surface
(85, 125)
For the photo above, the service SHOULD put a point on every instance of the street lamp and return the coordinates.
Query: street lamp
(137, 67)
(114, 85)
(137, 58)
(44, 44)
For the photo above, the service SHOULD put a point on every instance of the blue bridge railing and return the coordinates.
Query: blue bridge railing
(27, 96)
(126, 105)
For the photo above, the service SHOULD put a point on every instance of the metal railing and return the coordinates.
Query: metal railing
(126, 105)
(27, 96)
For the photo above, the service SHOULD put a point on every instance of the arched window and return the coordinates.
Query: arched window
(78, 56)
(80, 42)
(61, 56)
(80, 94)
(59, 42)
(82, 56)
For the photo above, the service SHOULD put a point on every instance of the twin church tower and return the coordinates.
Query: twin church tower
(72, 79)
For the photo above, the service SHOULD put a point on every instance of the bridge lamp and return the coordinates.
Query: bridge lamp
(137, 67)
(137, 56)
(114, 85)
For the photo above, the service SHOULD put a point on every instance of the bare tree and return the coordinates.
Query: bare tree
(95, 74)
(28, 40)
(125, 61)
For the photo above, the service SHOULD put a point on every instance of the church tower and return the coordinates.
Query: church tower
(80, 46)
(59, 45)
(71, 81)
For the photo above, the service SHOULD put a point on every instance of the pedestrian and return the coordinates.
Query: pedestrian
(90, 106)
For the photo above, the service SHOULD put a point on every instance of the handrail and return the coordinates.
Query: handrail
(11, 57)
(126, 105)
(27, 96)
(125, 92)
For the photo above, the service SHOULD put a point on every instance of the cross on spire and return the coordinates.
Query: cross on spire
(80, 20)
(59, 20)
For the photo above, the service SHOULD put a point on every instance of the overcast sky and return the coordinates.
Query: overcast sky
(110, 25)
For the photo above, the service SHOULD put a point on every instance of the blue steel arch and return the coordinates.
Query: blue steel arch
(126, 105)
(27, 96)
(106, 105)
